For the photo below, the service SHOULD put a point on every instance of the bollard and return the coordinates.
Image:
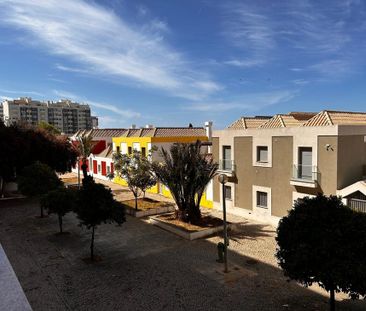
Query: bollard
(220, 252)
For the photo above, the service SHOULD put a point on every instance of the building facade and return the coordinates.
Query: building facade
(65, 115)
(272, 162)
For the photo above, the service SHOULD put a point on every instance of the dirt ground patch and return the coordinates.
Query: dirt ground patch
(145, 204)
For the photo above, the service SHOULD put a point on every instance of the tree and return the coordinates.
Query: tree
(49, 128)
(85, 148)
(96, 205)
(60, 201)
(136, 170)
(37, 180)
(186, 171)
(322, 241)
(22, 146)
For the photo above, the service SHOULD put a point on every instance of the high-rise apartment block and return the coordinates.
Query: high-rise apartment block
(65, 115)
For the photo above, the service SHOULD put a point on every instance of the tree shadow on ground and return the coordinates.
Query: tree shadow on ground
(144, 267)
(249, 231)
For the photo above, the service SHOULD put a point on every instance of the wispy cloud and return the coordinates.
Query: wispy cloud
(103, 43)
(307, 31)
(251, 102)
(120, 111)
(20, 92)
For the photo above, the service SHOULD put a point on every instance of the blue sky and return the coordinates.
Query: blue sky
(180, 62)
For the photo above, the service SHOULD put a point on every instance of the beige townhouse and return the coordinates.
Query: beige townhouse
(272, 161)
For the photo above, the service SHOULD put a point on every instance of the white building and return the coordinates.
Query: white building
(65, 115)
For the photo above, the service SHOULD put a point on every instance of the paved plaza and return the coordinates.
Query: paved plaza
(147, 268)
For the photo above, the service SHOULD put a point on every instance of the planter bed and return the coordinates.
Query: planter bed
(147, 207)
(209, 226)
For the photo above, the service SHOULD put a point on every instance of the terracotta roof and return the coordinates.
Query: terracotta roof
(292, 119)
(101, 132)
(248, 122)
(329, 117)
(165, 132)
(179, 131)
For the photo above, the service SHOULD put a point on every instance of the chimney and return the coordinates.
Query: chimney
(133, 126)
(208, 129)
(149, 126)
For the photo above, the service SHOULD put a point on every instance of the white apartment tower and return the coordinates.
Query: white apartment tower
(65, 115)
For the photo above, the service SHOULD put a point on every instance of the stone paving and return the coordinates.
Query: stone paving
(146, 268)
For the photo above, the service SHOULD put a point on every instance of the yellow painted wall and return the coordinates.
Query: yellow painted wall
(144, 141)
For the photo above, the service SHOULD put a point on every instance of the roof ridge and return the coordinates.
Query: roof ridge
(328, 117)
(244, 122)
(281, 121)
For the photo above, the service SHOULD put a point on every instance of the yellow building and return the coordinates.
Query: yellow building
(144, 139)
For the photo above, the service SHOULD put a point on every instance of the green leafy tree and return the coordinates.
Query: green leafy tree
(186, 171)
(22, 146)
(37, 180)
(60, 202)
(95, 206)
(322, 241)
(136, 170)
(85, 148)
(49, 128)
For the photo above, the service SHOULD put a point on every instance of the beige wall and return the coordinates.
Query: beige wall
(327, 164)
(351, 160)
(215, 154)
(276, 177)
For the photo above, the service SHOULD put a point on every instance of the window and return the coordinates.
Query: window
(262, 198)
(227, 192)
(226, 157)
(129, 150)
(262, 154)
(117, 149)
(143, 151)
(305, 167)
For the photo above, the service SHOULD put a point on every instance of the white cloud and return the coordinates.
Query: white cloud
(125, 113)
(252, 102)
(105, 44)
(21, 93)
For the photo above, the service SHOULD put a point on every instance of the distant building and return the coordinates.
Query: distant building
(65, 115)
(95, 122)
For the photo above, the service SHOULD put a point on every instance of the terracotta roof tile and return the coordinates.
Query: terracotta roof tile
(248, 122)
(329, 117)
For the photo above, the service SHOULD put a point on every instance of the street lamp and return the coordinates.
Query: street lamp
(223, 179)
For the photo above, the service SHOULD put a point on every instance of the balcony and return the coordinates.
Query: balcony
(305, 176)
(227, 167)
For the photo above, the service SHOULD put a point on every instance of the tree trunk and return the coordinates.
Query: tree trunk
(2, 183)
(60, 222)
(84, 167)
(332, 300)
(92, 245)
(136, 202)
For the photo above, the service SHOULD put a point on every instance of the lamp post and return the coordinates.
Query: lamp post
(223, 179)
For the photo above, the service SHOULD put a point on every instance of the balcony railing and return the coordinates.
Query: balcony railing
(357, 205)
(305, 172)
(226, 165)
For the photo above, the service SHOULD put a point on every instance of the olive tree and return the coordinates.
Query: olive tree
(96, 205)
(323, 241)
(60, 201)
(136, 170)
(186, 171)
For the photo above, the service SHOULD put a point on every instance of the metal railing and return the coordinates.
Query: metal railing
(357, 205)
(227, 165)
(305, 172)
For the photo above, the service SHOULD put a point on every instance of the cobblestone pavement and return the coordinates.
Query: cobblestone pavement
(146, 268)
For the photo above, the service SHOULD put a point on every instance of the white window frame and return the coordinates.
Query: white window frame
(136, 147)
(264, 140)
(259, 160)
(267, 190)
(124, 148)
